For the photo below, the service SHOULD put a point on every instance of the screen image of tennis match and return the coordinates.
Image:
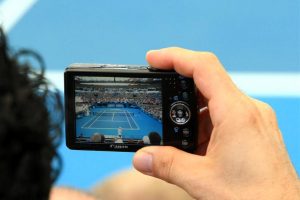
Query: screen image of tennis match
(118, 110)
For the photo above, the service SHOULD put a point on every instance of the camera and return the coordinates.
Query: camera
(126, 107)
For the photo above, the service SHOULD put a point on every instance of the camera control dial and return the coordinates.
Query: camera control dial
(180, 113)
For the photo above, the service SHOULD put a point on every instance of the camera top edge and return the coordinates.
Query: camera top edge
(96, 67)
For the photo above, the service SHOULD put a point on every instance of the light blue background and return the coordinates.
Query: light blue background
(248, 36)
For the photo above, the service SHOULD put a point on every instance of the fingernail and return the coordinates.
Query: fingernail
(152, 51)
(143, 162)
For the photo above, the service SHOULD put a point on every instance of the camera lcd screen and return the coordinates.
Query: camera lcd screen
(125, 110)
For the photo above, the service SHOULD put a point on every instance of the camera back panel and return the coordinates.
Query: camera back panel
(126, 107)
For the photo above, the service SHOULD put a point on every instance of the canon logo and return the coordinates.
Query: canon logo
(118, 146)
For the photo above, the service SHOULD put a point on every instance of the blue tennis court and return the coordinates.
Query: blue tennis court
(257, 41)
(111, 119)
(135, 123)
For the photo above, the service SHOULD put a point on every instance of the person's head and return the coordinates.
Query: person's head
(97, 137)
(29, 132)
(154, 138)
(146, 140)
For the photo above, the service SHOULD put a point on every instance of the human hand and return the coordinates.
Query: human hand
(241, 153)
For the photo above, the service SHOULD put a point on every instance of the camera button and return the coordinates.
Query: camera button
(176, 98)
(185, 96)
(176, 129)
(183, 84)
(180, 113)
(185, 143)
(186, 132)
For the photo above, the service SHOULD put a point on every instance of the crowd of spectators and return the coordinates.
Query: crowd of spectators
(149, 101)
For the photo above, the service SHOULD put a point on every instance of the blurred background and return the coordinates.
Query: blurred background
(257, 41)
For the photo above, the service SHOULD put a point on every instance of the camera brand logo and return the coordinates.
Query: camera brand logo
(118, 146)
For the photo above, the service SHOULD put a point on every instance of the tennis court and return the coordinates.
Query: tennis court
(133, 121)
(112, 119)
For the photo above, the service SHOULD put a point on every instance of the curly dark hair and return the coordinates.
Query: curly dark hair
(31, 116)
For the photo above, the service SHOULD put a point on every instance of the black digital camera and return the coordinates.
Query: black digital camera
(126, 107)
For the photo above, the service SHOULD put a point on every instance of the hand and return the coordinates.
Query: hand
(241, 153)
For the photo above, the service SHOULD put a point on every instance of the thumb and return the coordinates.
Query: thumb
(171, 165)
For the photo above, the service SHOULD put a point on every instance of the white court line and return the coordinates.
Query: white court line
(128, 121)
(269, 84)
(83, 126)
(260, 84)
(109, 121)
(95, 120)
(130, 129)
(137, 126)
(11, 11)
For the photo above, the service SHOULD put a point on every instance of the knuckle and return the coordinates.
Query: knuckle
(268, 110)
(251, 112)
(175, 49)
(210, 56)
(256, 111)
